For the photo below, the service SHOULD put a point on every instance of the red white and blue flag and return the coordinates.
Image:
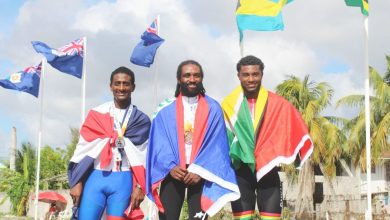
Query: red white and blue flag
(209, 157)
(67, 59)
(97, 137)
(26, 81)
(75, 47)
(153, 28)
(34, 69)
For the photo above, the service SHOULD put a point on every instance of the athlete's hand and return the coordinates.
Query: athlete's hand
(191, 179)
(136, 198)
(75, 193)
(178, 173)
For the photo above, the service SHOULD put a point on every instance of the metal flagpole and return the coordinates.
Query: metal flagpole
(367, 119)
(156, 66)
(84, 79)
(242, 48)
(151, 206)
(41, 92)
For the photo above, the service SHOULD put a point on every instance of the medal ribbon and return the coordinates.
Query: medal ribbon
(121, 127)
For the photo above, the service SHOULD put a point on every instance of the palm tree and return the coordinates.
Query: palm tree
(310, 99)
(26, 161)
(18, 184)
(379, 120)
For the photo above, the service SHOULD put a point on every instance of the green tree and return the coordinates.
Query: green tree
(18, 184)
(387, 74)
(54, 163)
(379, 120)
(53, 167)
(70, 148)
(17, 189)
(26, 161)
(310, 99)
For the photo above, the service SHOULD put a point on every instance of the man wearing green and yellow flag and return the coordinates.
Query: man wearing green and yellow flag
(264, 131)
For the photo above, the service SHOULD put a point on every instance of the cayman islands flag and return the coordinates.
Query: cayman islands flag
(259, 15)
(67, 59)
(25, 81)
(276, 135)
(209, 156)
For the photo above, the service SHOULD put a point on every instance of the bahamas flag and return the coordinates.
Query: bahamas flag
(276, 135)
(363, 4)
(259, 15)
(209, 156)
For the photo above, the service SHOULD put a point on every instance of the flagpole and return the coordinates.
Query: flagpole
(367, 119)
(156, 66)
(242, 48)
(156, 83)
(150, 203)
(84, 75)
(41, 92)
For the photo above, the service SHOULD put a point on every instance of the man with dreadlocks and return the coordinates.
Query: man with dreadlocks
(188, 150)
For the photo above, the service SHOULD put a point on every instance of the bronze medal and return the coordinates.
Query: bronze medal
(188, 137)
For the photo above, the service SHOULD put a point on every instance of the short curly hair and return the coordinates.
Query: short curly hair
(250, 60)
(124, 70)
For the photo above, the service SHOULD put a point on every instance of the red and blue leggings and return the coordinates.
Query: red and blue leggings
(106, 189)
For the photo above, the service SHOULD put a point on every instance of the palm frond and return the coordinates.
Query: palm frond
(351, 101)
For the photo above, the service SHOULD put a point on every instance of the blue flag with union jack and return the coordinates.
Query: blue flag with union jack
(67, 59)
(26, 80)
(145, 51)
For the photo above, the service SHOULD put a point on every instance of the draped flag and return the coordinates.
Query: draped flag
(363, 4)
(96, 137)
(209, 155)
(276, 135)
(67, 59)
(259, 15)
(25, 81)
(145, 51)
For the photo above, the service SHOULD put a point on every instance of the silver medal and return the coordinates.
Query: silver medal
(120, 143)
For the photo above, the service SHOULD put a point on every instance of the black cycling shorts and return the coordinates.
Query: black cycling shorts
(266, 192)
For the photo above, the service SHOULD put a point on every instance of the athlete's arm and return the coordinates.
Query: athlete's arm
(75, 193)
(178, 173)
(191, 179)
(136, 197)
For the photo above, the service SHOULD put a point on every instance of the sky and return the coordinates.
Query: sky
(323, 39)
